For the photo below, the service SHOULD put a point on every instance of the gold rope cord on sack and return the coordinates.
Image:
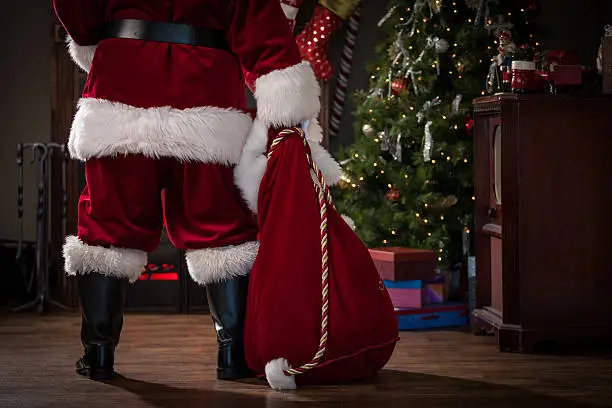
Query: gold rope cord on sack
(325, 200)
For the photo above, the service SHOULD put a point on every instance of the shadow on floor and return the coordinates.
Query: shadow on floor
(390, 389)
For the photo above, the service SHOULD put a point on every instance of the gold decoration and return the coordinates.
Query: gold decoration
(341, 8)
(445, 202)
(343, 184)
(436, 5)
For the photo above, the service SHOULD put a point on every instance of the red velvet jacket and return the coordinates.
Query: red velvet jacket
(162, 99)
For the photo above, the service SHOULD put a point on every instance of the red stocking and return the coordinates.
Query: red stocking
(315, 40)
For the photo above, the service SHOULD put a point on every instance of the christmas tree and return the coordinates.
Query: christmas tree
(408, 177)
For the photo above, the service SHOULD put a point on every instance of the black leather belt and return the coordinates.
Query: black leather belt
(166, 32)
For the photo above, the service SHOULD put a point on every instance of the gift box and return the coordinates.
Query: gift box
(416, 293)
(406, 293)
(567, 74)
(404, 264)
(561, 57)
(434, 293)
(432, 317)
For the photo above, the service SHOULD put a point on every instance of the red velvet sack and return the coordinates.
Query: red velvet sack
(284, 309)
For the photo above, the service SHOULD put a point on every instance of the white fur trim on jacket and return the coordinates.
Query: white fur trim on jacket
(288, 96)
(211, 265)
(204, 134)
(252, 166)
(82, 55)
(276, 377)
(81, 258)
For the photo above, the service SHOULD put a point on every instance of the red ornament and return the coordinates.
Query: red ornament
(398, 85)
(393, 194)
(469, 124)
(314, 41)
(533, 5)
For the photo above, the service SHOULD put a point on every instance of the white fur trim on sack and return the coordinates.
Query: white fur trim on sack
(212, 265)
(276, 377)
(82, 55)
(205, 134)
(329, 167)
(81, 258)
(349, 221)
(252, 166)
(286, 97)
(327, 164)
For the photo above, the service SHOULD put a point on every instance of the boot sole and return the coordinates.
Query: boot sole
(230, 374)
(96, 374)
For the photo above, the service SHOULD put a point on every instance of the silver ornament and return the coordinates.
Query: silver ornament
(368, 130)
(428, 145)
(397, 155)
(441, 45)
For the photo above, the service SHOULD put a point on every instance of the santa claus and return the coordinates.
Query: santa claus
(164, 109)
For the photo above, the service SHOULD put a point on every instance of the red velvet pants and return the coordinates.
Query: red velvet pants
(121, 206)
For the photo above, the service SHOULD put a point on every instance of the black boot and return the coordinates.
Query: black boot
(102, 299)
(227, 303)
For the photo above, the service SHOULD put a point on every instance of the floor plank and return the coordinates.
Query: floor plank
(168, 361)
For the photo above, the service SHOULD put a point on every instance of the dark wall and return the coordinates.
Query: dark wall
(25, 101)
(576, 25)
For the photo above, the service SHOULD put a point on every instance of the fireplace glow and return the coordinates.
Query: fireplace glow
(163, 272)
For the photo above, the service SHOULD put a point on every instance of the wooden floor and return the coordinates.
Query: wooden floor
(168, 361)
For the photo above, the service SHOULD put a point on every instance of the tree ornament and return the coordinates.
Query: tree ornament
(440, 44)
(397, 155)
(444, 203)
(386, 148)
(399, 84)
(367, 130)
(533, 5)
(469, 124)
(457, 103)
(427, 107)
(435, 5)
(428, 144)
(443, 62)
(315, 40)
(393, 194)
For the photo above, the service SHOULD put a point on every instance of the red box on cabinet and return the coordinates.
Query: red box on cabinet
(402, 264)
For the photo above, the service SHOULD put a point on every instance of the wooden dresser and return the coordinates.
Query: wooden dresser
(543, 219)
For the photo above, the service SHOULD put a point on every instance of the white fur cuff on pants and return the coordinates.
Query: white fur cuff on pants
(81, 258)
(211, 265)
